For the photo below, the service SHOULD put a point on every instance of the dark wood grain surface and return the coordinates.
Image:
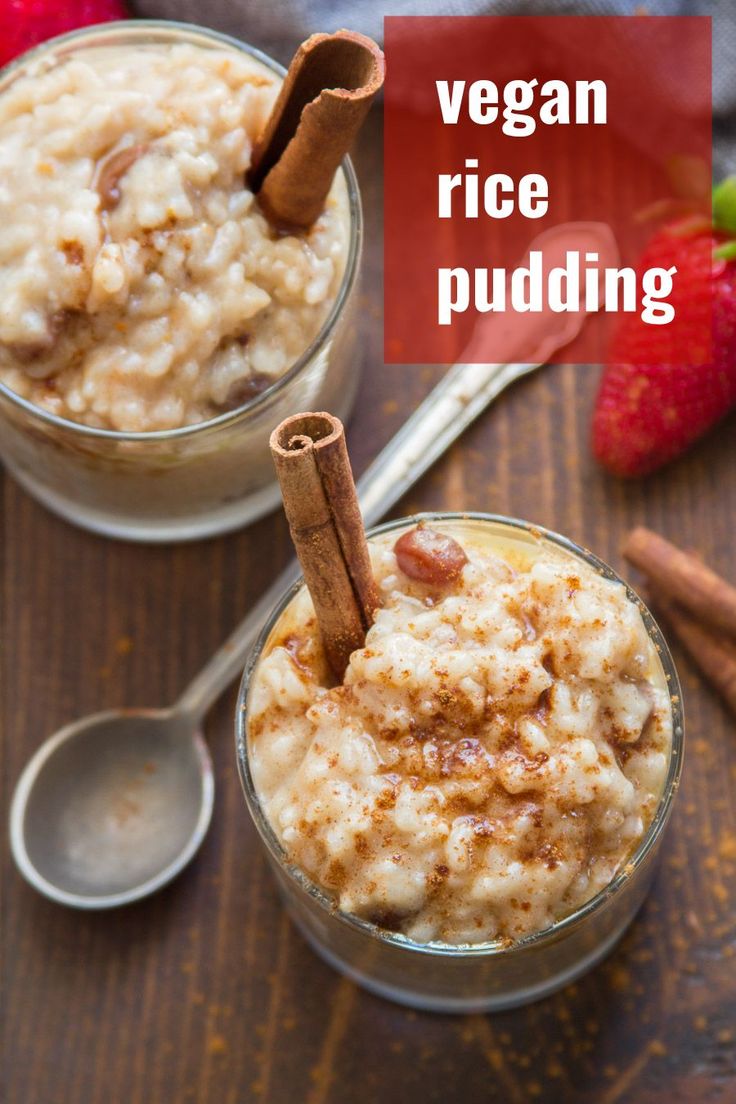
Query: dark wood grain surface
(205, 993)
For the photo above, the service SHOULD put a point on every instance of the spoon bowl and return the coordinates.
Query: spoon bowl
(112, 807)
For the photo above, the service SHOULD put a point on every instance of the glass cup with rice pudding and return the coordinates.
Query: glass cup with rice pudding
(469, 820)
(153, 325)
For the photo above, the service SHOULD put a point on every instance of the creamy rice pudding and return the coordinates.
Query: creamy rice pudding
(140, 286)
(494, 754)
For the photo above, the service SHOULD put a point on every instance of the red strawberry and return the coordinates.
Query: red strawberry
(24, 23)
(651, 406)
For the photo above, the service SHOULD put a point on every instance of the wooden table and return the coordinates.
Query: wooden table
(205, 993)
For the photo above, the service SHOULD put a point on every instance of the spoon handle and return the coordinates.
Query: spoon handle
(460, 396)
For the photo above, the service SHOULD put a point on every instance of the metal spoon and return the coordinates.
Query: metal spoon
(113, 806)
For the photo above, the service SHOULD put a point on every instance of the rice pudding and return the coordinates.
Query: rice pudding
(141, 288)
(494, 754)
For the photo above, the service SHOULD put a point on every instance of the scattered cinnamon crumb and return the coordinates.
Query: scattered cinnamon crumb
(73, 252)
(620, 979)
(217, 1044)
(727, 845)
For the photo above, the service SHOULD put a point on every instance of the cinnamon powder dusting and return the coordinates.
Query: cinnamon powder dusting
(489, 761)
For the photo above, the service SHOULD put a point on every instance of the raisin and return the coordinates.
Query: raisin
(111, 171)
(430, 557)
(243, 390)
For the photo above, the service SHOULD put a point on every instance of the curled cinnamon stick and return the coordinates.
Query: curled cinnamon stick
(681, 576)
(320, 108)
(326, 526)
(714, 657)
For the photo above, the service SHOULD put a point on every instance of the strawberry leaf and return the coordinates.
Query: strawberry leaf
(726, 252)
(724, 205)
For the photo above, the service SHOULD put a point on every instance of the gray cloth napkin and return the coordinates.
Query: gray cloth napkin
(277, 26)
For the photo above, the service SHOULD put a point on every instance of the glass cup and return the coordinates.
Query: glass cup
(484, 977)
(208, 478)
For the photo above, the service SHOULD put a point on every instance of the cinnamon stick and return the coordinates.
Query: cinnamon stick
(326, 526)
(714, 657)
(320, 108)
(681, 576)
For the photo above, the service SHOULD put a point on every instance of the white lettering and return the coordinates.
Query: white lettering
(450, 103)
(453, 293)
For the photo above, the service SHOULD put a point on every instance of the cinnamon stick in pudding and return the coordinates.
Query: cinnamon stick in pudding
(681, 576)
(320, 108)
(714, 657)
(326, 526)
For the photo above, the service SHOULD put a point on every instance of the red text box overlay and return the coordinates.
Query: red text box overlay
(616, 128)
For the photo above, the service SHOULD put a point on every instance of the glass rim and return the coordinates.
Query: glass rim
(144, 28)
(560, 927)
